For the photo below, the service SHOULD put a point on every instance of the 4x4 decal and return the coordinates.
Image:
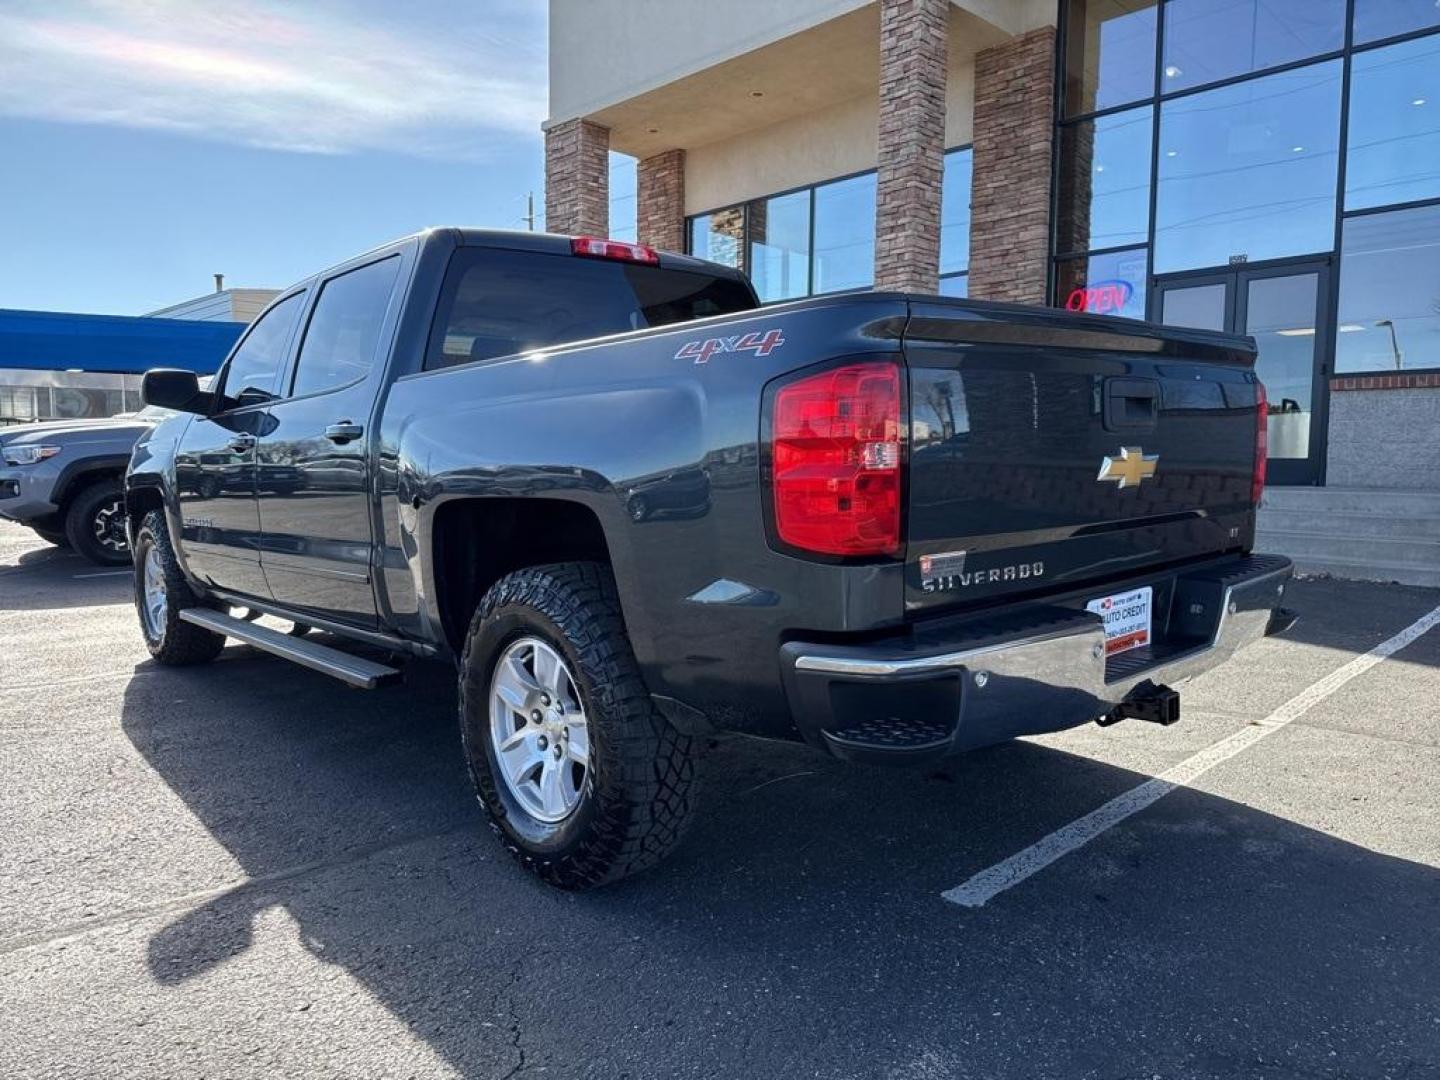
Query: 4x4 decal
(761, 344)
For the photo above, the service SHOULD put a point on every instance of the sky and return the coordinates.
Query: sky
(146, 145)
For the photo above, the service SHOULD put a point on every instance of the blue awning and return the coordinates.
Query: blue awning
(58, 341)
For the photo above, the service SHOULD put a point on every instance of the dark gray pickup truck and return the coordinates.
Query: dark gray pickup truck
(634, 508)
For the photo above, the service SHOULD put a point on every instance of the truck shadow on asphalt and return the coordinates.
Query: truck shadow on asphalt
(799, 931)
(45, 579)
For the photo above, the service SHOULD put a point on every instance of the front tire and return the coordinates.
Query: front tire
(583, 799)
(95, 523)
(161, 593)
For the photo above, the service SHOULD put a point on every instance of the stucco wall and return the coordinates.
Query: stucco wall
(603, 51)
(831, 142)
(1385, 439)
(807, 149)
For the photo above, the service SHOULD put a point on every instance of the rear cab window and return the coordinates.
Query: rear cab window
(498, 303)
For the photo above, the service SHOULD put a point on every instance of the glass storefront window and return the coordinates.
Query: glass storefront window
(1110, 284)
(1378, 19)
(955, 212)
(623, 204)
(1104, 182)
(845, 234)
(718, 236)
(1202, 307)
(779, 248)
(1393, 144)
(955, 285)
(1109, 53)
(1206, 40)
(1247, 171)
(1280, 316)
(1389, 313)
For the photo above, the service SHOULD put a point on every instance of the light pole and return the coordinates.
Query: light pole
(1394, 343)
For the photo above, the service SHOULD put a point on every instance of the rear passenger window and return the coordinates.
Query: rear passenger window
(498, 303)
(344, 332)
(257, 362)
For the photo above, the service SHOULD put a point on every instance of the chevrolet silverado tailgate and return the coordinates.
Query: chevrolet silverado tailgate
(1050, 451)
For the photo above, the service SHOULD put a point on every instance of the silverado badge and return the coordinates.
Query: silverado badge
(1129, 468)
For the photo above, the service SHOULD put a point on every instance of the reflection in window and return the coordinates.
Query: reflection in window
(1209, 40)
(779, 249)
(718, 236)
(1393, 147)
(955, 212)
(1109, 55)
(1105, 182)
(845, 234)
(1110, 284)
(1389, 316)
(1249, 170)
(1377, 19)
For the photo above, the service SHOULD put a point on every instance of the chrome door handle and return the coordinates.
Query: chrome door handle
(343, 431)
(241, 443)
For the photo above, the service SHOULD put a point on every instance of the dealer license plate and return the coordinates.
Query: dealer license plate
(1127, 619)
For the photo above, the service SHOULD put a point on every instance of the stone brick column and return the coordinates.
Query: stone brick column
(1010, 194)
(577, 178)
(911, 150)
(660, 200)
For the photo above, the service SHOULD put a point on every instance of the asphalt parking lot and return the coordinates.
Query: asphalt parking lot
(248, 870)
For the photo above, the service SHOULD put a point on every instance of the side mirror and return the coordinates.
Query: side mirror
(173, 388)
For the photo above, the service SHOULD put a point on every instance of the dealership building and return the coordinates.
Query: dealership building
(1268, 167)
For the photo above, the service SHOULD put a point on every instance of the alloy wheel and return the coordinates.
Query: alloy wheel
(154, 600)
(538, 730)
(109, 527)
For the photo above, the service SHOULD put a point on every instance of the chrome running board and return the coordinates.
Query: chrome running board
(354, 670)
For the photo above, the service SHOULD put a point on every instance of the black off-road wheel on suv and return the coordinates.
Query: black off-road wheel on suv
(161, 593)
(581, 777)
(95, 523)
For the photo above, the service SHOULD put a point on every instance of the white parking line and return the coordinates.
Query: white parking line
(989, 883)
(103, 573)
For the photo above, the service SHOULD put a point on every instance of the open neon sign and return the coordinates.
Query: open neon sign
(1101, 297)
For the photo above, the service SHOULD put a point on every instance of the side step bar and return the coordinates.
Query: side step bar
(354, 670)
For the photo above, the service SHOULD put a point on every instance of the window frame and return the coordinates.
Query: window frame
(745, 204)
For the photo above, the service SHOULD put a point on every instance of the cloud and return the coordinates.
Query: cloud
(449, 81)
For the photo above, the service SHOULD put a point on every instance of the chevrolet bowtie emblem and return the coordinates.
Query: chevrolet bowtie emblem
(1128, 469)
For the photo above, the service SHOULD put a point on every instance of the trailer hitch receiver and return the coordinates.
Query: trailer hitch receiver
(1148, 702)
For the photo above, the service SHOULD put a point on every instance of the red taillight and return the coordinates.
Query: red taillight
(597, 247)
(1262, 443)
(836, 458)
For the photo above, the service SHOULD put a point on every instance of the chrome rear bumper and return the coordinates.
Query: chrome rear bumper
(1037, 669)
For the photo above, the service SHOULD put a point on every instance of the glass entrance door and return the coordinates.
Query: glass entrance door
(1284, 310)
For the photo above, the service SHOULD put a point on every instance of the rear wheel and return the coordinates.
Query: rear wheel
(581, 777)
(95, 523)
(161, 593)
